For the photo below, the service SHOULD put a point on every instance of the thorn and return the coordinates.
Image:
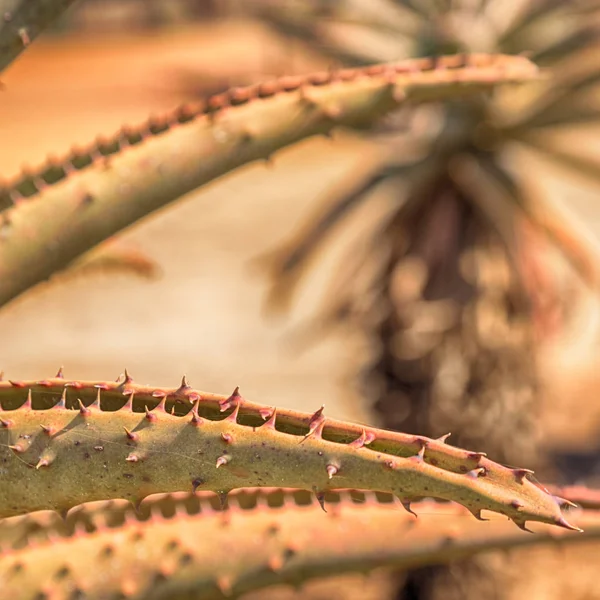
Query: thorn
(562, 522)
(59, 374)
(224, 584)
(28, 402)
(233, 417)
(150, 416)
(62, 403)
(25, 39)
(476, 455)
(196, 420)
(17, 448)
(132, 457)
(275, 563)
(17, 384)
(44, 461)
(477, 514)
(222, 460)
(475, 473)
(134, 437)
(443, 438)
(406, 505)
(320, 498)
(223, 499)
(315, 425)
(6, 423)
(96, 402)
(270, 422)
(227, 438)
(233, 400)
(183, 388)
(363, 440)
(521, 474)
(331, 471)
(522, 525)
(196, 483)
(48, 429)
(128, 378)
(84, 411)
(563, 502)
(265, 413)
(516, 504)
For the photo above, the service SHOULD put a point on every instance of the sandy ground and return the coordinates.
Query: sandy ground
(204, 316)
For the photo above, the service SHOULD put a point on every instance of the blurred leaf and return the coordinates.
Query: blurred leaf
(567, 45)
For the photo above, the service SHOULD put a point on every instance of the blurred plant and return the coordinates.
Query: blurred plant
(450, 288)
(455, 289)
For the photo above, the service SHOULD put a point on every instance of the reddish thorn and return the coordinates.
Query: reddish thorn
(128, 378)
(222, 460)
(159, 394)
(227, 438)
(331, 471)
(275, 563)
(62, 403)
(265, 413)
(44, 383)
(6, 423)
(563, 502)
(233, 400)
(359, 442)
(184, 387)
(562, 522)
(316, 416)
(516, 504)
(84, 411)
(28, 402)
(406, 505)
(522, 525)
(320, 498)
(443, 438)
(134, 437)
(477, 514)
(224, 584)
(96, 402)
(196, 420)
(521, 474)
(475, 473)
(43, 462)
(17, 384)
(102, 386)
(59, 374)
(270, 423)
(132, 457)
(196, 483)
(47, 429)
(17, 448)
(223, 499)
(233, 417)
(476, 455)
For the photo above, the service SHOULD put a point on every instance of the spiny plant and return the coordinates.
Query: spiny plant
(454, 284)
(449, 289)
(281, 536)
(64, 442)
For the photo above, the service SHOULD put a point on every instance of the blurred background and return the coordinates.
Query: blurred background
(437, 273)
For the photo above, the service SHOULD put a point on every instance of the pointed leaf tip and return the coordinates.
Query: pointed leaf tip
(562, 522)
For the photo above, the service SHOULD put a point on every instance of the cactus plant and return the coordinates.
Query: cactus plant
(68, 441)
(280, 537)
(450, 290)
